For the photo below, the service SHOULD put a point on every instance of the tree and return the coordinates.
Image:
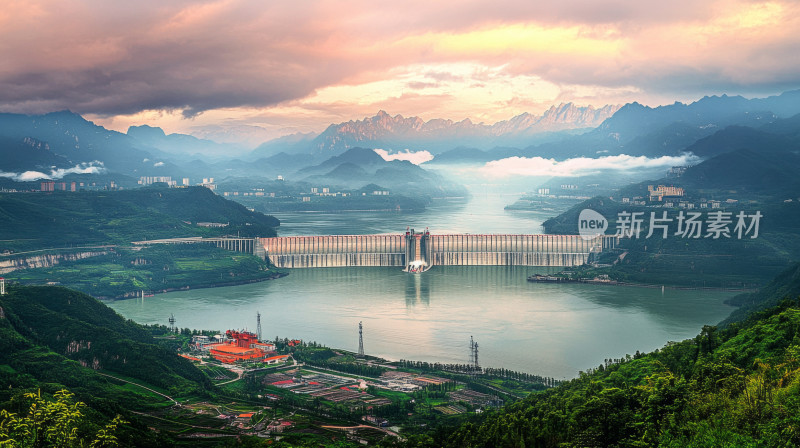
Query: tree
(53, 423)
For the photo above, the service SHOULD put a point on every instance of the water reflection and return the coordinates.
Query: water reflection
(418, 290)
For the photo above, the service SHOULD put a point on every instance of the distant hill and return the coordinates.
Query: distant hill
(40, 220)
(182, 145)
(743, 159)
(362, 157)
(785, 285)
(733, 138)
(358, 167)
(764, 171)
(292, 144)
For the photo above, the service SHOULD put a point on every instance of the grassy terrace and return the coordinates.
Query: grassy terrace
(126, 273)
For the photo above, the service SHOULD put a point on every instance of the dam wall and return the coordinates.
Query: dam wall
(512, 250)
(336, 251)
(442, 250)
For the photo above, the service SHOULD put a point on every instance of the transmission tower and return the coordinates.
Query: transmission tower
(172, 323)
(258, 325)
(471, 351)
(360, 340)
(477, 366)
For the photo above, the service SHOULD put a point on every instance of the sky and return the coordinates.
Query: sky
(252, 70)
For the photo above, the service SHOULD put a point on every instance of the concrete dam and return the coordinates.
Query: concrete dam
(419, 251)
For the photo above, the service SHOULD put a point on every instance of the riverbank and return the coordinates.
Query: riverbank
(127, 273)
(139, 294)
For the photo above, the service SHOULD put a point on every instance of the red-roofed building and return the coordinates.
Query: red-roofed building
(240, 346)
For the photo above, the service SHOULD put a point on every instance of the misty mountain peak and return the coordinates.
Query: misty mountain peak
(398, 132)
(146, 131)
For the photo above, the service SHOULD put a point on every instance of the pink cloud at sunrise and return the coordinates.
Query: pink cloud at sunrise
(297, 66)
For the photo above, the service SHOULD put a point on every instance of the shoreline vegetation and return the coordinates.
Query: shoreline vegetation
(151, 293)
(124, 273)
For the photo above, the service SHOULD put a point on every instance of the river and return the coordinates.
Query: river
(546, 329)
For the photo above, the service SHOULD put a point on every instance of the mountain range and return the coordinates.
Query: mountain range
(437, 135)
(182, 145)
(55, 143)
(63, 140)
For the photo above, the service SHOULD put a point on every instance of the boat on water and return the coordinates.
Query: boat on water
(599, 280)
(548, 279)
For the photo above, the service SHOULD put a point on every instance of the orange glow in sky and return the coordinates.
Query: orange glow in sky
(283, 67)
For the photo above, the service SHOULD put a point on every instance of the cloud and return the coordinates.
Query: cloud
(188, 58)
(158, 164)
(95, 167)
(580, 166)
(415, 157)
(26, 176)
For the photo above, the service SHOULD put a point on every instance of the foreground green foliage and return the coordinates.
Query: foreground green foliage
(54, 423)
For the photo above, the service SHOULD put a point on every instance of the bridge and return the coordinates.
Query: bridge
(419, 251)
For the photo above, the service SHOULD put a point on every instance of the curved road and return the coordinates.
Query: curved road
(143, 387)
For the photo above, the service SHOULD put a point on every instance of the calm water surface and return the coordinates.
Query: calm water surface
(552, 330)
(482, 213)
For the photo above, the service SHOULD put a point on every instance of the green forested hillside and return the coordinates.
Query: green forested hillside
(786, 284)
(737, 387)
(53, 338)
(46, 328)
(60, 219)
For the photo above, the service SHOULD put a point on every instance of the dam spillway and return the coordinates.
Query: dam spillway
(442, 250)
(335, 251)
